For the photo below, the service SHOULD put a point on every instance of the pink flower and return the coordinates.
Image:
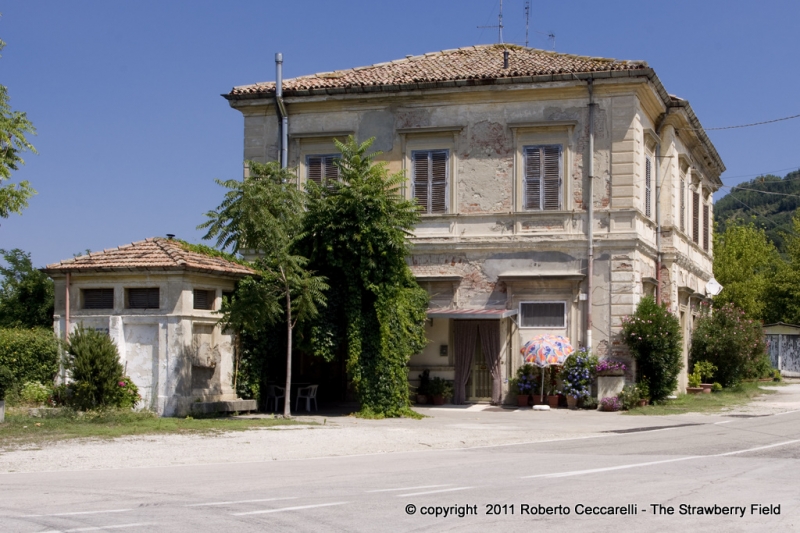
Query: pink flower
(121, 383)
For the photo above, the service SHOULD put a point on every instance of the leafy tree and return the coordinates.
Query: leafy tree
(263, 214)
(727, 339)
(653, 335)
(744, 263)
(356, 233)
(783, 290)
(26, 294)
(14, 125)
(93, 364)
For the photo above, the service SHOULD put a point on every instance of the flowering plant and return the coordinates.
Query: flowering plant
(578, 373)
(127, 393)
(526, 381)
(611, 403)
(607, 365)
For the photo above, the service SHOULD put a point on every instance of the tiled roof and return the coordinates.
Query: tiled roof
(477, 64)
(150, 254)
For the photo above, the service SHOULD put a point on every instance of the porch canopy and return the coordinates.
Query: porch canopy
(469, 326)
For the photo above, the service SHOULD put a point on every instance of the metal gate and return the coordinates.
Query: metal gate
(479, 387)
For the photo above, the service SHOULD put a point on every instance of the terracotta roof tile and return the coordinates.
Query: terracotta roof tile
(150, 254)
(474, 63)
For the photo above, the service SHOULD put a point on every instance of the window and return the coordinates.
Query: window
(543, 314)
(143, 298)
(542, 185)
(696, 217)
(705, 227)
(204, 299)
(683, 204)
(321, 168)
(648, 185)
(431, 170)
(98, 298)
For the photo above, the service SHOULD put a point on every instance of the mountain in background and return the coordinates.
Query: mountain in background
(752, 202)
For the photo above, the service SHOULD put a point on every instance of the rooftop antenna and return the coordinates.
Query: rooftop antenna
(499, 25)
(527, 20)
(550, 35)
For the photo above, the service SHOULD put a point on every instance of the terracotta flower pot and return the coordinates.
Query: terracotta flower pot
(572, 401)
(552, 401)
(438, 400)
(537, 399)
(694, 390)
(422, 399)
(522, 400)
(706, 387)
(642, 402)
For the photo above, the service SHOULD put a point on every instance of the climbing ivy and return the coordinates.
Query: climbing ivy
(356, 234)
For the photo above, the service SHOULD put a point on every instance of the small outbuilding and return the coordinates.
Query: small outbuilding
(783, 345)
(157, 299)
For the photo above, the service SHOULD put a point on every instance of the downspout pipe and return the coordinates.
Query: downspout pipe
(284, 156)
(590, 220)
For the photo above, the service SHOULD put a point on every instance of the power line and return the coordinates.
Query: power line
(794, 168)
(743, 125)
(736, 187)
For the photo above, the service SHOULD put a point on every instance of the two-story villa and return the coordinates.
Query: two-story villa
(556, 191)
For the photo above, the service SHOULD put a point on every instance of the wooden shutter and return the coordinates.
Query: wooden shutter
(321, 168)
(143, 298)
(542, 185)
(705, 227)
(438, 183)
(331, 170)
(696, 218)
(647, 185)
(98, 298)
(420, 185)
(204, 299)
(551, 176)
(431, 180)
(683, 205)
(314, 165)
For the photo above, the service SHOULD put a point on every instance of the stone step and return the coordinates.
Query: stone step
(223, 407)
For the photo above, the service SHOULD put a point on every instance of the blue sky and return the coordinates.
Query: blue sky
(132, 130)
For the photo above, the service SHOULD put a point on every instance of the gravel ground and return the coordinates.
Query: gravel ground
(444, 428)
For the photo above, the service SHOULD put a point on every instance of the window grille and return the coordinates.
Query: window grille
(542, 184)
(143, 298)
(431, 180)
(543, 314)
(98, 298)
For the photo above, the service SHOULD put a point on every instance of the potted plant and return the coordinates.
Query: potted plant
(644, 392)
(610, 367)
(694, 383)
(6, 380)
(611, 403)
(423, 390)
(440, 390)
(524, 384)
(577, 377)
(706, 370)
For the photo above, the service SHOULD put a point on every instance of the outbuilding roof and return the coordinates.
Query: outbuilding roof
(470, 65)
(152, 254)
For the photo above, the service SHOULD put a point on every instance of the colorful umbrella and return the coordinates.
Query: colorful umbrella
(546, 350)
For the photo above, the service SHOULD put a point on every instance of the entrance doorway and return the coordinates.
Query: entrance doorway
(479, 386)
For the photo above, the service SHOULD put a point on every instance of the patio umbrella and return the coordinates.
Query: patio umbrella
(546, 350)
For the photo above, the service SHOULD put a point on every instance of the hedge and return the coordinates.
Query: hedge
(30, 354)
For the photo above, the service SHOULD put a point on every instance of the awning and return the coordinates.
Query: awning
(475, 314)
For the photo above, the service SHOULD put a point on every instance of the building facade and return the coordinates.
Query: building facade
(157, 300)
(556, 191)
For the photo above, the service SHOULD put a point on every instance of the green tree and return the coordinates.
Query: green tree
(744, 263)
(26, 294)
(263, 215)
(783, 290)
(653, 335)
(356, 233)
(14, 126)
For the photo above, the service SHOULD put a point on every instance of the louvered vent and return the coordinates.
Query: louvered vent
(143, 298)
(204, 299)
(543, 314)
(431, 170)
(98, 298)
(542, 185)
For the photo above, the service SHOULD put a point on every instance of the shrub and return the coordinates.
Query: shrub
(705, 370)
(128, 393)
(611, 403)
(6, 381)
(94, 367)
(653, 336)
(578, 374)
(526, 381)
(732, 343)
(441, 387)
(31, 354)
(629, 396)
(716, 387)
(34, 393)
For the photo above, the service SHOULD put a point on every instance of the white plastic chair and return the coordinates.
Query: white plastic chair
(309, 394)
(274, 395)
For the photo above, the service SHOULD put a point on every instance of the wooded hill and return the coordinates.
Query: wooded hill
(763, 202)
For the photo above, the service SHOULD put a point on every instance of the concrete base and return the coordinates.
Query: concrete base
(205, 408)
(609, 386)
(541, 407)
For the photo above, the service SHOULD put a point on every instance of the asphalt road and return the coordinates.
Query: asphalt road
(746, 467)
